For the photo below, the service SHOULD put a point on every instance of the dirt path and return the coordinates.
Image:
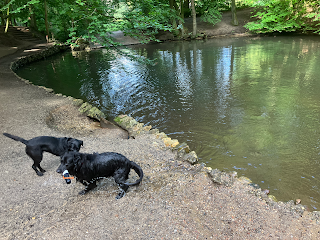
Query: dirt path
(175, 200)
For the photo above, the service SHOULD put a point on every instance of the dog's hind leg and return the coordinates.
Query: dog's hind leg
(36, 155)
(123, 190)
(120, 178)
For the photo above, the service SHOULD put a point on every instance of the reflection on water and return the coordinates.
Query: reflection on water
(250, 105)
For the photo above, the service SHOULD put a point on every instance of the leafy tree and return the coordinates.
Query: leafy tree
(285, 16)
(234, 15)
(209, 11)
(95, 20)
(16, 10)
(179, 9)
(314, 16)
(147, 18)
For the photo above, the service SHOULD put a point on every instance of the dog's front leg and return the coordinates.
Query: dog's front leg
(89, 187)
(85, 183)
(37, 172)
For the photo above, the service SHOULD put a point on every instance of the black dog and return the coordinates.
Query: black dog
(57, 146)
(89, 168)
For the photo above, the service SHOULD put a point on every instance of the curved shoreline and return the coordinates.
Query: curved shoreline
(135, 128)
(23, 112)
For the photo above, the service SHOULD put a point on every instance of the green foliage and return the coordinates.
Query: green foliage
(17, 5)
(147, 18)
(225, 5)
(209, 11)
(284, 16)
(245, 3)
(314, 16)
(95, 20)
(91, 20)
(19, 9)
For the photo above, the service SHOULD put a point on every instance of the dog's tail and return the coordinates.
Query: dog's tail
(139, 171)
(16, 138)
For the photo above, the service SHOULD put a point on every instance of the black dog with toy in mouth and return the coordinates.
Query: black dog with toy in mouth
(36, 146)
(89, 168)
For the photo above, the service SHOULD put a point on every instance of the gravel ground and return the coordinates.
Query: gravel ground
(175, 200)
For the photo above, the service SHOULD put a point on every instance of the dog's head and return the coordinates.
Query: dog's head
(74, 145)
(70, 161)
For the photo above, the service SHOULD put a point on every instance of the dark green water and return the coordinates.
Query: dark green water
(245, 105)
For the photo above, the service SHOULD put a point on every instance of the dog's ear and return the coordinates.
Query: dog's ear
(67, 141)
(76, 157)
(77, 160)
(81, 142)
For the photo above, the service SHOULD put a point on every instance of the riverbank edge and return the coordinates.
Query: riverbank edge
(182, 150)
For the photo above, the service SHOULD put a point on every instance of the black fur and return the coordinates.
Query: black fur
(89, 168)
(57, 146)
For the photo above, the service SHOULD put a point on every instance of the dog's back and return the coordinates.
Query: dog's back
(37, 141)
(105, 164)
(53, 145)
(114, 164)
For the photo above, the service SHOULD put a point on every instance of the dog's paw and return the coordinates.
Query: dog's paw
(83, 192)
(121, 194)
(40, 174)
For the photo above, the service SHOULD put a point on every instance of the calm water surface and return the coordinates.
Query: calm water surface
(245, 105)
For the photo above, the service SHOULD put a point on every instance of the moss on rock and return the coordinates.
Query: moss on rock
(191, 157)
(91, 111)
(182, 148)
(85, 107)
(95, 113)
(77, 102)
(221, 177)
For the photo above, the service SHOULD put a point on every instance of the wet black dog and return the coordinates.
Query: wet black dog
(57, 146)
(89, 168)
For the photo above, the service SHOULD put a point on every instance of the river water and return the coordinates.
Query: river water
(250, 105)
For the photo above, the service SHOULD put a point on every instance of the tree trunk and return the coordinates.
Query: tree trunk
(173, 20)
(234, 14)
(186, 4)
(182, 9)
(194, 19)
(182, 30)
(7, 23)
(33, 23)
(46, 17)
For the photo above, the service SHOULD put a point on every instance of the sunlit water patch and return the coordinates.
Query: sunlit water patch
(245, 105)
